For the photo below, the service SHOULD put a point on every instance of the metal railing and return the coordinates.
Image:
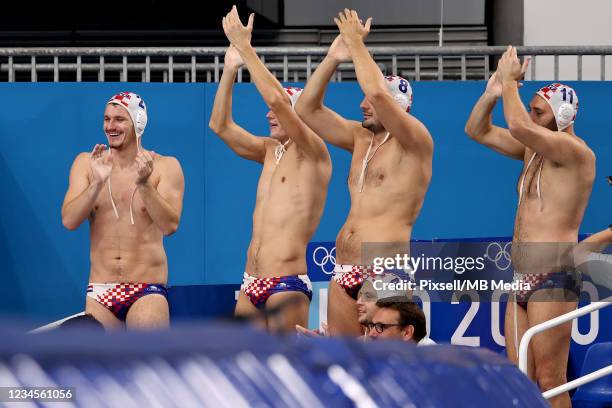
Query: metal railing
(524, 347)
(193, 64)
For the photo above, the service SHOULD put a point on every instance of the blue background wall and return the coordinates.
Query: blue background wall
(44, 126)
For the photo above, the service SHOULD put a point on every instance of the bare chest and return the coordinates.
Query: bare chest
(373, 168)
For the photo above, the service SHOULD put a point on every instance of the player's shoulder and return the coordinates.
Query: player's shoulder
(582, 149)
(82, 158)
(166, 162)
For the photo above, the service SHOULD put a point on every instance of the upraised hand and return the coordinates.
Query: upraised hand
(338, 51)
(351, 27)
(101, 164)
(494, 86)
(232, 60)
(236, 33)
(509, 67)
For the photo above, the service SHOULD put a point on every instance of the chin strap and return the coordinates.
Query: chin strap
(537, 182)
(110, 191)
(366, 160)
(280, 150)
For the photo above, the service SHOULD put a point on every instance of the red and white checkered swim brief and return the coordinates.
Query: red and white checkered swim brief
(260, 289)
(351, 277)
(570, 280)
(119, 297)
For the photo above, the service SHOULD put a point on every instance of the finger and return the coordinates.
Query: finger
(354, 15)
(338, 23)
(147, 156)
(235, 15)
(368, 24)
(250, 22)
(526, 62)
(94, 152)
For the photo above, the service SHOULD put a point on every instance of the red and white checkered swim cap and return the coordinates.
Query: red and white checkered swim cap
(135, 107)
(563, 101)
(294, 93)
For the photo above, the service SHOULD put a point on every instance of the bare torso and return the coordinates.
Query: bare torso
(545, 228)
(120, 251)
(392, 197)
(290, 200)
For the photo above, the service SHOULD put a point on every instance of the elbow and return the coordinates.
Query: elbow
(471, 132)
(377, 95)
(277, 100)
(518, 128)
(69, 224)
(171, 228)
(216, 126)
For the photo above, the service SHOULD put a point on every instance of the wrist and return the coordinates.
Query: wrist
(491, 95)
(230, 69)
(243, 47)
(352, 41)
(333, 60)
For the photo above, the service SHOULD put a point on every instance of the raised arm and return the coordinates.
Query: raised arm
(332, 127)
(480, 128)
(243, 143)
(82, 193)
(270, 89)
(409, 131)
(556, 146)
(598, 241)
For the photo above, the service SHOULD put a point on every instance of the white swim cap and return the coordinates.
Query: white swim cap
(563, 101)
(294, 93)
(400, 90)
(135, 107)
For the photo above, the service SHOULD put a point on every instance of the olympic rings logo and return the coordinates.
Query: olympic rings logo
(499, 254)
(322, 257)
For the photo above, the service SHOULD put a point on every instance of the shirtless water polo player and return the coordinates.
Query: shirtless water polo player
(132, 198)
(390, 169)
(291, 191)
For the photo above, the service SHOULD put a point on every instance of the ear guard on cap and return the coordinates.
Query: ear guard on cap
(400, 90)
(136, 108)
(563, 102)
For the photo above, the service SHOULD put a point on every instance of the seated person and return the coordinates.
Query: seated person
(400, 319)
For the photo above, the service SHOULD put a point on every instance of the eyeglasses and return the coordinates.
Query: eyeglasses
(381, 327)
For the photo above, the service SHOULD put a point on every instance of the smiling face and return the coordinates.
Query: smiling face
(118, 126)
(541, 113)
(366, 303)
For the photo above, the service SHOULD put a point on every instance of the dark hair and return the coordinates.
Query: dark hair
(82, 321)
(410, 314)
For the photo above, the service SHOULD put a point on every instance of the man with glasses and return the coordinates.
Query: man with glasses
(399, 319)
